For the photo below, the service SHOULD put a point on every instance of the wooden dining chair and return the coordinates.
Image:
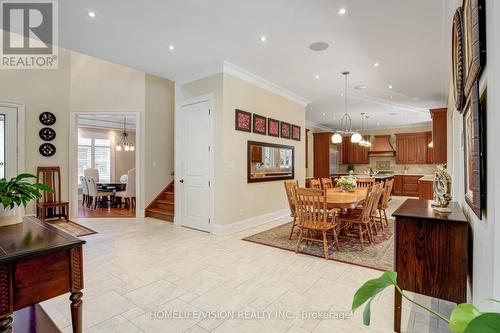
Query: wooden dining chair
(315, 219)
(361, 221)
(290, 187)
(384, 202)
(315, 183)
(379, 191)
(364, 182)
(50, 204)
(326, 183)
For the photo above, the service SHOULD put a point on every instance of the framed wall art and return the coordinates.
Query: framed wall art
(474, 42)
(273, 127)
(259, 124)
(285, 130)
(474, 172)
(242, 121)
(458, 59)
(296, 132)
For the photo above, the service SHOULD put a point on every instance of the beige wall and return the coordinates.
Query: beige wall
(235, 199)
(87, 84)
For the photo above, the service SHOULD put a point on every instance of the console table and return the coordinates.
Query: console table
(430, 253)
(38, 262)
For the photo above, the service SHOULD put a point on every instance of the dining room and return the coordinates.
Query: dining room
(106, 165)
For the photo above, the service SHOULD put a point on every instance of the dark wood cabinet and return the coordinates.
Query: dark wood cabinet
(406, 185)
(430, 252)
(321, 153)
(425, 190)
(256, 154)
(352, 153)
(398, 185)
(430, 150)
(412, 148)
(439, 135)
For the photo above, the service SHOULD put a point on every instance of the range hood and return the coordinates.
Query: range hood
(382, 146)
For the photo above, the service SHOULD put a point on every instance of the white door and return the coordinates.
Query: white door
(8, 142)
(195, 175)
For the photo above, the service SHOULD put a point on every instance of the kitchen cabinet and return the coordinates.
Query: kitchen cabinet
(406, 185)
(256, 154)
(321, 154)
(412, 148)
(397, 188)
(430, 151)
(352, 153)
(425, 189)
(439, 134)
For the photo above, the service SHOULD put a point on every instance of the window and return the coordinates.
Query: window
(95, 150)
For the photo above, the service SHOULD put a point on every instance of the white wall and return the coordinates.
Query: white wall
(235, 200)
(486, 233)
(86, 84)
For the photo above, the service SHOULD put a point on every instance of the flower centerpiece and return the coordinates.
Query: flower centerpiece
(15, 193)
(346, 183)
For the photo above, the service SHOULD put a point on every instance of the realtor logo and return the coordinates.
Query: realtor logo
(29, 31)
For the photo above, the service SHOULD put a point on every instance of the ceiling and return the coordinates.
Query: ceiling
(114, 122)
(407, 38)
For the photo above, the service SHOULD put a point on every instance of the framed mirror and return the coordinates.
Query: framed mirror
(269, 162)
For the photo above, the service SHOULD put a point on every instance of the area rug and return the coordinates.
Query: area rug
(378, 255)
(72, 228)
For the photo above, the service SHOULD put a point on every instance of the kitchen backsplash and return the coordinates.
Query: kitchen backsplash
(424, 169)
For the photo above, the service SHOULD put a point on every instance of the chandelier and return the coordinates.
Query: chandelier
(124, 143)
(346, 121)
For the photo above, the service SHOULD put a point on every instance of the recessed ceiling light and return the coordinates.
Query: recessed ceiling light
(316, 76)
(391, 97)
(341, 94)
(319, 46)
(342, 11)
(91, 14)
(171, 47)
(376, 64)
(263, 39)
(360, 87)
(324, 114)
(389, 86)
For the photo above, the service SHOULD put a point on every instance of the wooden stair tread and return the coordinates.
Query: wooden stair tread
(160, 211)
(162, 207)
(167, 202)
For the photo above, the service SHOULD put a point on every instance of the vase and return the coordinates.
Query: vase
(10, 216)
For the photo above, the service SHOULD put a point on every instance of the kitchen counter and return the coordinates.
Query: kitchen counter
(379, 176)
(427, 178)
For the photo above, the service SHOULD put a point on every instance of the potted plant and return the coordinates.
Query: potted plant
(346, 183)
(17, 193)
(350, 169)
(465, 318)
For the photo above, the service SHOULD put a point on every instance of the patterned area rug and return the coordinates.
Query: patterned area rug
(72, 228)
(378, 255)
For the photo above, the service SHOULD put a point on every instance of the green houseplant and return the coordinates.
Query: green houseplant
(465, 318)
(16, 193)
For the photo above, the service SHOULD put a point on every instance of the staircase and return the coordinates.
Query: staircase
(162, 207)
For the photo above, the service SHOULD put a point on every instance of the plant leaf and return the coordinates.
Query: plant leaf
(493, 300)
(461, 316)
(24, 176)
(484, 323)
(373, 287)
(367, 313)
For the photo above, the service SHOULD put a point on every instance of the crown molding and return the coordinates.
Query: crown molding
(310, 123)
(242, 74)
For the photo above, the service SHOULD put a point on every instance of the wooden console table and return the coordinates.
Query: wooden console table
(430, 253)
(38, 262)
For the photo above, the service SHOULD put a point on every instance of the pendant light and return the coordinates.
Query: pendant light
(346, 121)
(363, 142)
(124, 143)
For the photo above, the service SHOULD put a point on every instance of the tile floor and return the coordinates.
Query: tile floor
(139, 271)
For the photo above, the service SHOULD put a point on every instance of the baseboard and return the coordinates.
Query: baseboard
(140, 213)
(228, 229)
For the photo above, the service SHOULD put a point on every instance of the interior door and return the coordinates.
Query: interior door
(195, 164)
(8, 142)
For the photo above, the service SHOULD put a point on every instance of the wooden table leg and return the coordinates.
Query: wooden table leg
(76, 311)
(398, 299)
(6, 323)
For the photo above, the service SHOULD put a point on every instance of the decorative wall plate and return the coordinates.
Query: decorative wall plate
(457, 53)
(47, 118)
(47, 149)
(47, 134)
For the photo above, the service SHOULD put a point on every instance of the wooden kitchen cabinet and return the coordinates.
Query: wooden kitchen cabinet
(425, 190)
(430, 151)
(321, 154)
(397, 188)
(256, 154)
(412, 148)
(352, 153)
(439, 134)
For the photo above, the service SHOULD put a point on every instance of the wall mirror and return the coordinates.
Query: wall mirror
(269, 162)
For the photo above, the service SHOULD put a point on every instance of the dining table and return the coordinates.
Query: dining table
(336, 198)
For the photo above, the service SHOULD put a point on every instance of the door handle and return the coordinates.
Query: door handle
(181, 181)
